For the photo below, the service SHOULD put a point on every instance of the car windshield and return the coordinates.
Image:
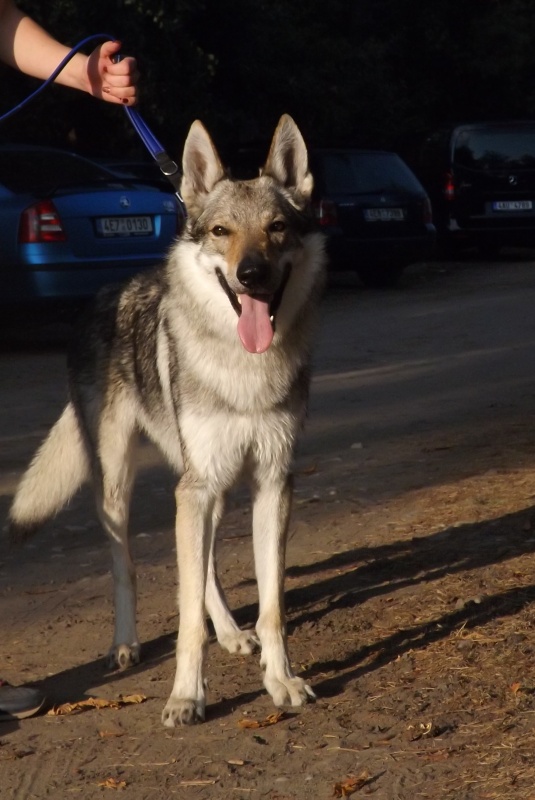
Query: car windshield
(491, 149)
(35, 170)
(362, 173)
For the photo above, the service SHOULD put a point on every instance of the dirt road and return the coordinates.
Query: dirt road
(409, 586)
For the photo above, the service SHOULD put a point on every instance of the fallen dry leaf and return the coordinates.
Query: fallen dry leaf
(272, 719)
(112, 783)
(109, 733)
(131, 699)
(350, 785)
(94, 702)
(309, 470)
(437, 755)
(515, 687)
(14, 753)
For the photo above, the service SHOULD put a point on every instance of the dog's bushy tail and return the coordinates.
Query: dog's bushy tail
(57, 470)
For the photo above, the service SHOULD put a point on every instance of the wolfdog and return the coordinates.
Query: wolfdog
(208, 356)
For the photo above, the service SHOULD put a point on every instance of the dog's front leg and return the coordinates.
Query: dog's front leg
(270, 525)
(195, 506)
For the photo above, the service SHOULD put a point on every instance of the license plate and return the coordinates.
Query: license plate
(512, 205)
(384, 214)
(124, 226)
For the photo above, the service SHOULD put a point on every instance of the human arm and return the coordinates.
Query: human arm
(29, 48)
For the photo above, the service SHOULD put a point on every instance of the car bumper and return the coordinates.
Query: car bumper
(63, 282)
(346, 253)
(486, 230)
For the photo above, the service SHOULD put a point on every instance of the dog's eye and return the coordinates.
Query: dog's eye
(278, 226)
(219, 230)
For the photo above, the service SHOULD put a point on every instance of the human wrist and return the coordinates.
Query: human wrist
(75, 75)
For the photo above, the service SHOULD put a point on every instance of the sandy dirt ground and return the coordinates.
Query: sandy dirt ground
(410, 582)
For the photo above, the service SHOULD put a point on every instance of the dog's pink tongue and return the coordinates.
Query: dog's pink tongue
(254, 327)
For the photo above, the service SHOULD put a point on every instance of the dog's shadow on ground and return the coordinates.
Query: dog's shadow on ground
(354, 577)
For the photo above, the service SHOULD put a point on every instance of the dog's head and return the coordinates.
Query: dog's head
(249, 232)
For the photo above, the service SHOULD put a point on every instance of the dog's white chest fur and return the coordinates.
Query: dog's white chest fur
(218, 446)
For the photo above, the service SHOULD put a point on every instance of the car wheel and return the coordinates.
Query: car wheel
(489, 251)
(450, 248)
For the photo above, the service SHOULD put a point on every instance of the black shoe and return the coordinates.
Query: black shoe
(18, 702)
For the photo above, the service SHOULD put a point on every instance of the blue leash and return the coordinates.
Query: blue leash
(166, 164)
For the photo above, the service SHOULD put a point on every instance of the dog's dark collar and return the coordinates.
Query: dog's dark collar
(277, 297)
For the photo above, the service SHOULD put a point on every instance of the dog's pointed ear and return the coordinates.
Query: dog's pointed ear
(201, 166)
(287, 161)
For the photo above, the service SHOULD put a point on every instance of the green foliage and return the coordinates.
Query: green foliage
(365, 71)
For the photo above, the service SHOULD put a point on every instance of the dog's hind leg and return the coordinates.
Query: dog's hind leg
(271, 512)
(117, 439)
(229, 634)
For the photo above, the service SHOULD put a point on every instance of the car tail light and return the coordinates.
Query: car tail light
(41, 223)
(325, 211)
(449, 187)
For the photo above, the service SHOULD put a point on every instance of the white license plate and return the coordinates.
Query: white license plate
(512, 205)
(124, 226)
(384, 214)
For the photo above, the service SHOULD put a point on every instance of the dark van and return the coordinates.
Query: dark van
(481, 181)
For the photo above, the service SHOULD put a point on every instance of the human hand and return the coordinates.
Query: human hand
(111, 81)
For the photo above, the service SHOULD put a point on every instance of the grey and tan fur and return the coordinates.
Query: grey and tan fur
(209, 357)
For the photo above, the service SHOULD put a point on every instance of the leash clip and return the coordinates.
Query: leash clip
(167, 166)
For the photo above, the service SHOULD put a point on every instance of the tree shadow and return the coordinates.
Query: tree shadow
(388, 649)
(371, 571)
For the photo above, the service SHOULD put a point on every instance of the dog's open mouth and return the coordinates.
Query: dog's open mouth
(257, 313)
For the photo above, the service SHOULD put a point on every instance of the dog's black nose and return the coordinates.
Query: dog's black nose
(253, 272)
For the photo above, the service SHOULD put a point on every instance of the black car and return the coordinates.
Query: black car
(481, 181)
(375, 212)
(373, 209)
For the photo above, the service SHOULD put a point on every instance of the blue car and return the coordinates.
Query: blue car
(68, 226)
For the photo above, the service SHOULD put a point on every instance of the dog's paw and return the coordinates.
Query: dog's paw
(123, 656)
(242, 642)
(179, 711)
(289, 690)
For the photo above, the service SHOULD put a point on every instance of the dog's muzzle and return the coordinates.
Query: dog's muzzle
(257, 311)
